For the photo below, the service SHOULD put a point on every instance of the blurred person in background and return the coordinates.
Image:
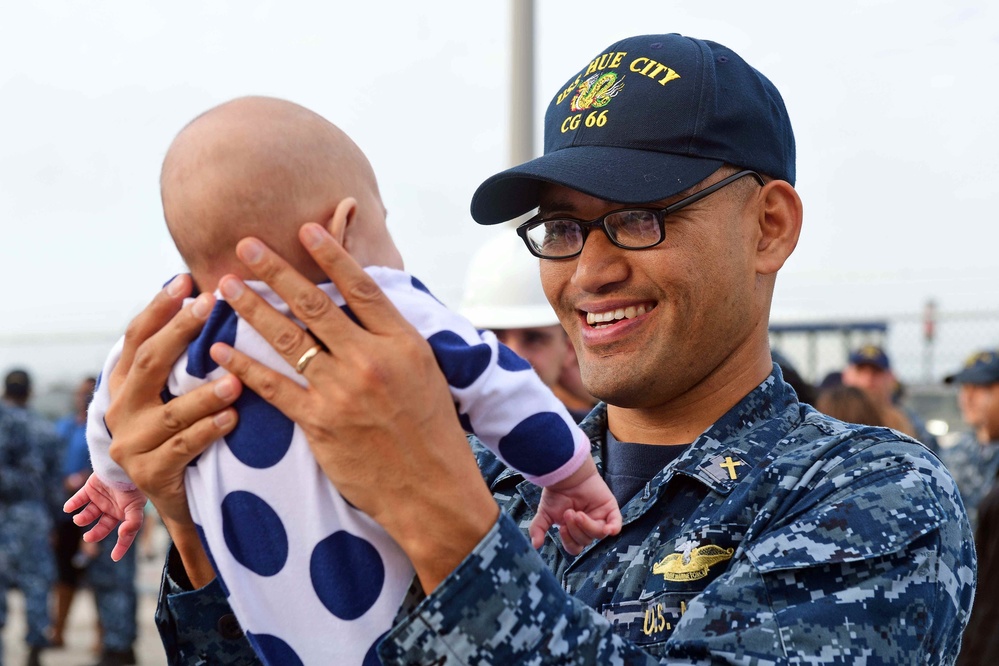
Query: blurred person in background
(29, 496)
(869, 369)
(974, 463)
(69, 558)
(805, 391)
(974, 458)
(981, 639)
(503, 294)
(112, 583)
(849, 404)
(117, 599)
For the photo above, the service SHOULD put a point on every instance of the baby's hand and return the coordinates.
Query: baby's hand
(583, 507)
(109, 507)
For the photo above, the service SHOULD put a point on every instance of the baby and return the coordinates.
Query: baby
(310, 578)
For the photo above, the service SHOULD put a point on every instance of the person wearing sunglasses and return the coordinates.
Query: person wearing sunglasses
(756, 530)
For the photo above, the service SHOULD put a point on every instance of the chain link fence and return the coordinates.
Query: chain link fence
(923, 349)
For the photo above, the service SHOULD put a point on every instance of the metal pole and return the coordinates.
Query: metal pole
(522, 82)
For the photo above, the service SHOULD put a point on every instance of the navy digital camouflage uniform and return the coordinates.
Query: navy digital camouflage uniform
(974, 467)
(29, 473)
(780, 536)
(115, 595)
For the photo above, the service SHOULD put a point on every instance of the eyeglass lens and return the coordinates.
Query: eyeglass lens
(628, 228)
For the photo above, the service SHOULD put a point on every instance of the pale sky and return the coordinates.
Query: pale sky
(893, 104)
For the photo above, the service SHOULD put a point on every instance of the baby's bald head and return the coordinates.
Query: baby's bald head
(258, 166)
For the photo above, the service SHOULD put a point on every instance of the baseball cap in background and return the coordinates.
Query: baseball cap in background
(981, 368)
(17, 384)
(870, 355)
(646, 119)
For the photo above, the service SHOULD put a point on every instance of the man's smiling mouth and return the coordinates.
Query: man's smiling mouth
(604, 319)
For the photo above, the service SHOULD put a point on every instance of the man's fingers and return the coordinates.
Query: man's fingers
(306, 301)
(286, 337)
(188, 443)
(167, 302)
(274, 387)
(152, 359)
(363, 296)
(205, 405)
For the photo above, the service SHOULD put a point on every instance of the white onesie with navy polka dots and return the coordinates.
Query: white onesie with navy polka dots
(311, 579)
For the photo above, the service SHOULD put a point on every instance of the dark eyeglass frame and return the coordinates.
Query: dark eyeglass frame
(659, 213)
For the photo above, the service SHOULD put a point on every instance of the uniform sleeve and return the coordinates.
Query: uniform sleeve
(503, 605)
(197, 627)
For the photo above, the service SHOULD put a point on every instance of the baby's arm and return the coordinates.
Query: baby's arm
(109, 506)
(583, 507)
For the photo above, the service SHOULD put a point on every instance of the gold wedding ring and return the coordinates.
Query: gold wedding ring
(307, 357)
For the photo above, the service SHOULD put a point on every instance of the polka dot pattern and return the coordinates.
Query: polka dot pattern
(273, 650)
(461, 363)
(371, 656)
(509, 361)
(531, 447)
(254, 534)
(262, 435)
(310, 578)
(219, 327)
(347, 597)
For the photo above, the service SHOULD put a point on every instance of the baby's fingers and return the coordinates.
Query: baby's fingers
(126, 535)
(612, 523)
(579, 530)
(539, 527)
(79, 499)
(101, 528)
(90, 513)
(127, 531)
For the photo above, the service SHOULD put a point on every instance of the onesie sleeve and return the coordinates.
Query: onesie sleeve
(98, 436)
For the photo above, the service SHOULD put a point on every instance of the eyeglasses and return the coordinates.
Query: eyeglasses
(628, 228)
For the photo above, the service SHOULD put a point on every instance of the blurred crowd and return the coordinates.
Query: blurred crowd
(42, 551)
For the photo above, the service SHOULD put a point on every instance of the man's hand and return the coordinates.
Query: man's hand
(152, 441)
(377, 412)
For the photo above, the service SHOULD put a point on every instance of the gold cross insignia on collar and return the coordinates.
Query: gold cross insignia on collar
(726, 467)
(730, 464)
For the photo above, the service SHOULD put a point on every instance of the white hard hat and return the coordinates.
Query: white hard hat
(503, 287)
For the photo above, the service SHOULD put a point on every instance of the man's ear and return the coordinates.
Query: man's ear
(343, 216)
(780, 225)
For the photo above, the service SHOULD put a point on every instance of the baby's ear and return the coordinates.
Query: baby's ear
(343, 216)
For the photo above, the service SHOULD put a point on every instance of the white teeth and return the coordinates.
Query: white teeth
(629, 312)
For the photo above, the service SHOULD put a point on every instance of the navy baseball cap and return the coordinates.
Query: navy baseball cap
(981, 368)
(646, 119)
(870, 355)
